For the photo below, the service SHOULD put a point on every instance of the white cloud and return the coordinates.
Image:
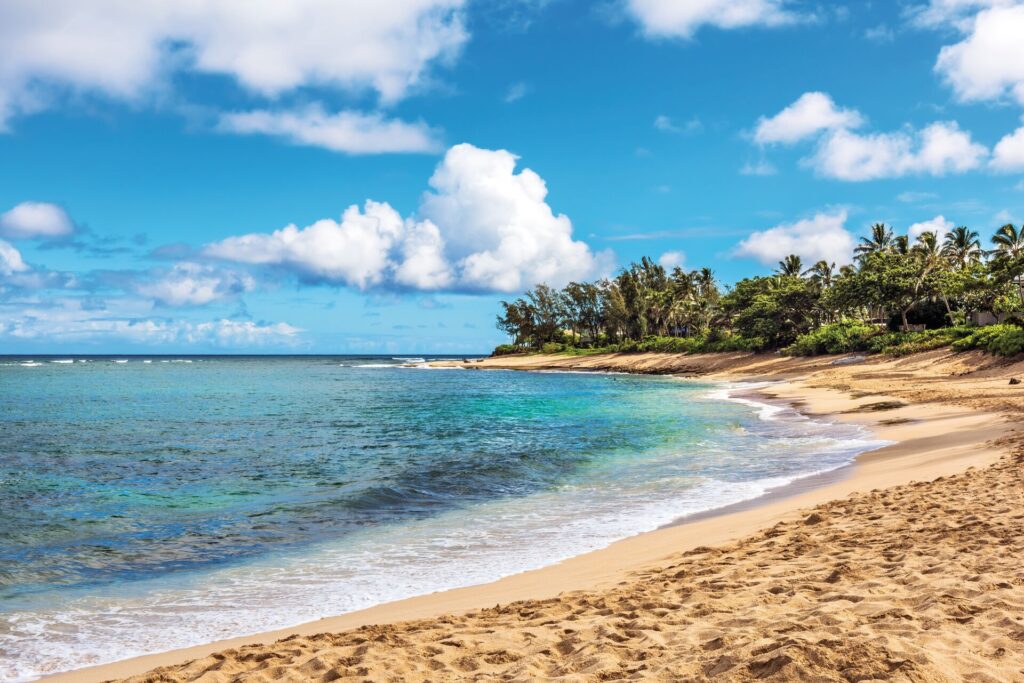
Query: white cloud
(355, 251)
(759, 168)
(498, 228)
(938, 149)
(911, 197)
(482, 227)
(1004, 216)
(127, 49)
(672, 259)
(987, 63)
(811, 114)
(676, 18)
(75, 325)
(823, 237)
(35, 219)
(193, 284)
(667, 125)
(843, 154)
(939, 225)
(346, 131)
(10, 259)
(516, 92)
(880, 34)
(1008, 154)
(956, 13)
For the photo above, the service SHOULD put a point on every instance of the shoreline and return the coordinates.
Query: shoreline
(929, 441)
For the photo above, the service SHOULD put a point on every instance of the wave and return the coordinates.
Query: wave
(62, 361)
(469, 544)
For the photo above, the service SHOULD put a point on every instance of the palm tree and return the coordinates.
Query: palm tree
(962, 246)
(881, 239)
(821, 274)
(927, 248)
(705, 297)
(1009, 252)
(791, 266)
(1009, 241)
(932, 258)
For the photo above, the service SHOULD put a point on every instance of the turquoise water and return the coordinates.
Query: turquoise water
(152, 503)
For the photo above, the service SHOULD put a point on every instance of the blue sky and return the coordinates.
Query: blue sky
(151, 160)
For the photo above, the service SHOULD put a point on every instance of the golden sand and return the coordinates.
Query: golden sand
(873, 577)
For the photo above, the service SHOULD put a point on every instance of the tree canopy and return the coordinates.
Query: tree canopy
(935, 281)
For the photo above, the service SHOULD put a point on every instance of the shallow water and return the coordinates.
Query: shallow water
(152, 503)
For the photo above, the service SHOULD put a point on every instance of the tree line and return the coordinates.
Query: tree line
(936, 281)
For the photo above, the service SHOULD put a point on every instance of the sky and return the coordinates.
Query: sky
(335, 176)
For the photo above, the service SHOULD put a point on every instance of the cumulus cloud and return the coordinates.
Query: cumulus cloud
(671, 18)
(10, 259)
(823, 237)
(939, 149)
(811, 114)
(357, 251)
(987, 63)
(672, 259)
(844, 154)
(345, 131)
(194, 284)
(126, 50)
(938, 225)
(1008, 154)
(35, 220)
(481, 227)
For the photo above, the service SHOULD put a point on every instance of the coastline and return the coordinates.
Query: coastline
(933, 437)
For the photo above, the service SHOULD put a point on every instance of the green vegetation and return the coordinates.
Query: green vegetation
(896, 298)
(1004, 340)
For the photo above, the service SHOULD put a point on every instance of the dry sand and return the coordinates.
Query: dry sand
(909, 568)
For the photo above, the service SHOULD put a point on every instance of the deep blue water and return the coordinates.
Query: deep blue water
(254, 493)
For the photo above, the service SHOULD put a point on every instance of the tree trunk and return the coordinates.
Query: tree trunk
(903, 314)
(949, 311)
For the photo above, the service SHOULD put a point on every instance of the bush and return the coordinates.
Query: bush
(851, 337)
(906, 343)
(552, 347)
(505, 350)
(1002, 340)
(844, 337)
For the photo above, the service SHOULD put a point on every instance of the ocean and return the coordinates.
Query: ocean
(150, 503)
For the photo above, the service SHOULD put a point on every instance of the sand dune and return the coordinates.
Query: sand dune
(921, 581)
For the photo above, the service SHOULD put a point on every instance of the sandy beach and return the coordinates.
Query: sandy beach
(905, 566)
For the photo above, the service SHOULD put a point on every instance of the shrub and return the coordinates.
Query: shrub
(552, 347)
(505, 350)
(844, 337)
(1002, 340)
